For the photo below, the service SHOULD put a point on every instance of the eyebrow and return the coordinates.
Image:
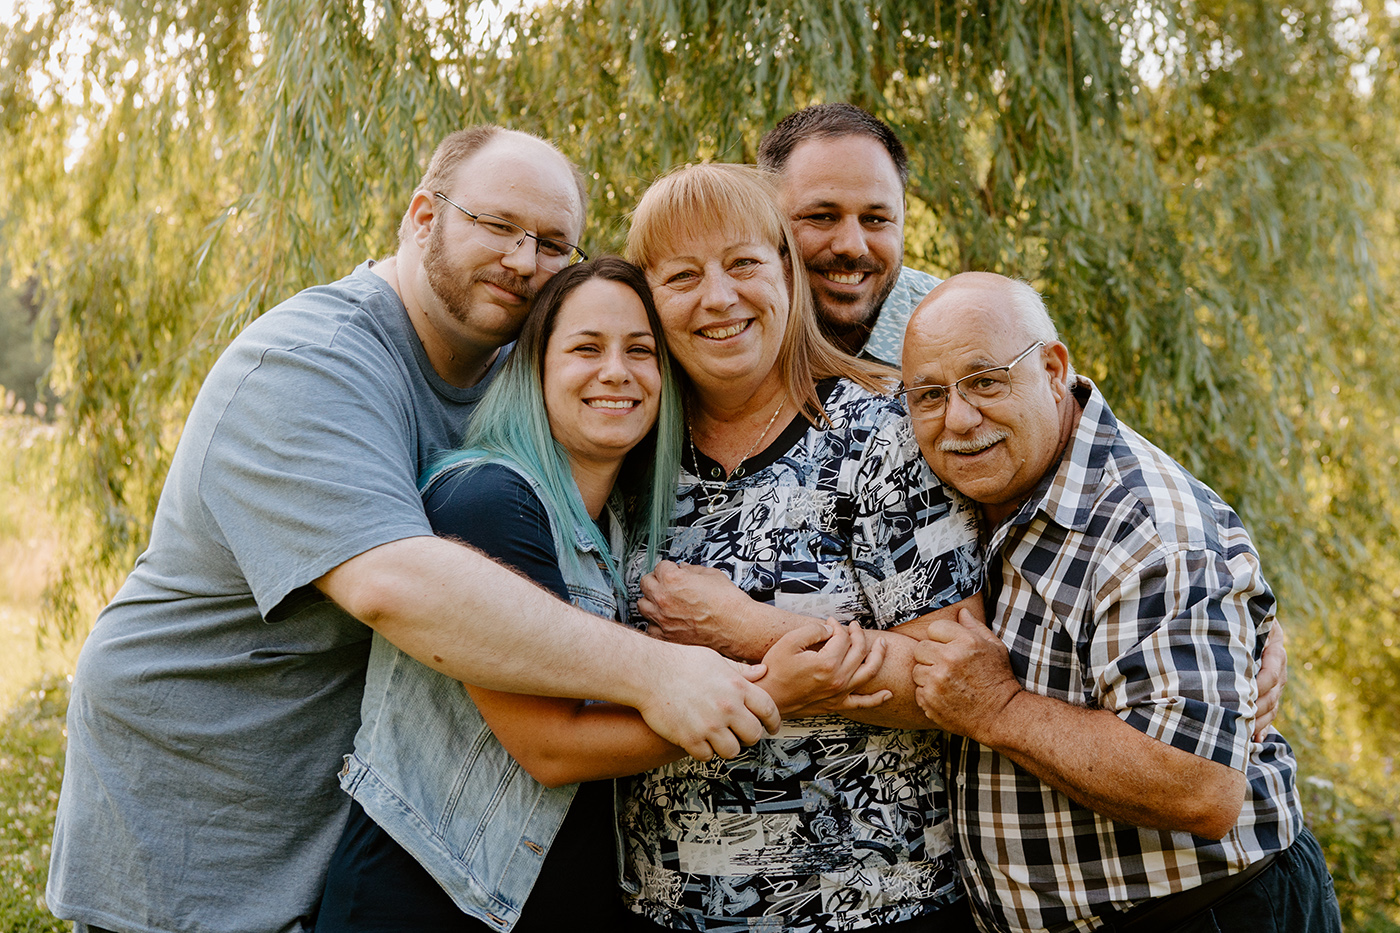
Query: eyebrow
(976, 366)
(599, 333)
(828, 203)
(731, 249)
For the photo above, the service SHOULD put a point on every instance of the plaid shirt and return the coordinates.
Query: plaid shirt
(1126, 584)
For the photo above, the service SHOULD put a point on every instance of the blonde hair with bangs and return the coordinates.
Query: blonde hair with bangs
(743, 200)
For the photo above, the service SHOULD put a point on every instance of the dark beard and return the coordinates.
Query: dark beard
(454, 289)
(851, 336)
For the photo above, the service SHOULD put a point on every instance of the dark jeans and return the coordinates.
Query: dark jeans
(374, 886)
(1294, 895)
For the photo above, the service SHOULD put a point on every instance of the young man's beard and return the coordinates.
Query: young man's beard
(454, 288)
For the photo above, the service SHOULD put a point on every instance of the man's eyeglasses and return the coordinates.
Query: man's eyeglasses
(498, 234)
(978, 389)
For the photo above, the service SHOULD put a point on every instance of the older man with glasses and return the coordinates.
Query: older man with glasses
(218, 691)
(1102, 773)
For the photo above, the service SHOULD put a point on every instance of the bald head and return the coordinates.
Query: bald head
(994, 449)
(994, 299)
(461, 146)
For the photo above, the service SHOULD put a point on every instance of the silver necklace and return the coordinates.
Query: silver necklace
(714, 499)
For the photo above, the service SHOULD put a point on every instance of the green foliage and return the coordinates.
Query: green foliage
(1205, 190)
(24, 354)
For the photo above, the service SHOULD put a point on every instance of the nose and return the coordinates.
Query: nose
(716, 292)
(959, 416)
(848, 239)
(521, 260)
(613, 368)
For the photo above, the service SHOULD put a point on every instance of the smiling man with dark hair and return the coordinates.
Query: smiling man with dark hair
(842, 174)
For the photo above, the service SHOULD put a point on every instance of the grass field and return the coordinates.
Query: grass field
(31, 769)
(33, 683)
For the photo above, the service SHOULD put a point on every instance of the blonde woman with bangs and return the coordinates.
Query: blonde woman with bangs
(802, 494)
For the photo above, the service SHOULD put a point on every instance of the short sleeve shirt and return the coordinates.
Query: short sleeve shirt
(831, 824)
(1123, 584)
(218, 691)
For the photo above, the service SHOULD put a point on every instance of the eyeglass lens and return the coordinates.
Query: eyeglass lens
(977, 389)
(501, 235)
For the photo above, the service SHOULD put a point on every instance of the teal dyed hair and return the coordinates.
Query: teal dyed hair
(511, 424)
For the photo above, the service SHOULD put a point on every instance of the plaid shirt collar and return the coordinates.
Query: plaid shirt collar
(1067, 494)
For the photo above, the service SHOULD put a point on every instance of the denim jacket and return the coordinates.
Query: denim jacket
(429, 771)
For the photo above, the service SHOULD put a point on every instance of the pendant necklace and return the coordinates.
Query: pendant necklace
(715, 499)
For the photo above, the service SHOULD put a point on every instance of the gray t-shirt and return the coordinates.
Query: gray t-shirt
(217, 693)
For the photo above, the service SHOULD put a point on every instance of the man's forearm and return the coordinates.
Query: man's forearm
(1101, 762)
(466, 616)
(470, 618)
(753, 627)
(902, 710)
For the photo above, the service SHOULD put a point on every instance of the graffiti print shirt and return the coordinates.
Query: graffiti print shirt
(830, 824)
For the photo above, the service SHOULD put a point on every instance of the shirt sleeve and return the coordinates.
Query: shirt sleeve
(492, 508)
(310, 461)
(1177, 637)
(915, 541)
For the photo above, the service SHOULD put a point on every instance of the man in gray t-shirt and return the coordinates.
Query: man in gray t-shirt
(218, 690)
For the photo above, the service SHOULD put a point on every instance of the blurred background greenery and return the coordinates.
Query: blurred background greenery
(1205, 190)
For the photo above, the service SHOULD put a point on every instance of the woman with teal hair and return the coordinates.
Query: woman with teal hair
(479, 810)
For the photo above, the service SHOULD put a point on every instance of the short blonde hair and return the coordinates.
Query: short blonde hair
(743, 201)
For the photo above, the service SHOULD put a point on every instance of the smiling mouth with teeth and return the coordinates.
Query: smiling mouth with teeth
(612, 403)
(721, 333)
(845, 278)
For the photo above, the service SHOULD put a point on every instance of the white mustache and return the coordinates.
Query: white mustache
(972, 444)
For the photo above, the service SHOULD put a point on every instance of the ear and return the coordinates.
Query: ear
(1057, 368)
(421, 211)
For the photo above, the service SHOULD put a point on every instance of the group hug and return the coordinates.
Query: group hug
(750, 582)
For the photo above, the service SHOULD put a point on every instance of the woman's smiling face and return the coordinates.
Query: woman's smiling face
(602, 381)
(723, 301)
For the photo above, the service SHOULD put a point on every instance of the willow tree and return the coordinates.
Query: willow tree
(1203, 189)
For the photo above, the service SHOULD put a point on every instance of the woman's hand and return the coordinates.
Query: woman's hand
(816, 669)
(698, 606)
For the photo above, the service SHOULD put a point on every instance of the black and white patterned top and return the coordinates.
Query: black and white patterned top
(1126, 584)
(831, 824)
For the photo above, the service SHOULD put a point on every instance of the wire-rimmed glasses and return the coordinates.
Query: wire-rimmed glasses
(978, 389)
(502, 236)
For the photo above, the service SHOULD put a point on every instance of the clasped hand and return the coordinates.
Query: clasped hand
(963, 678)
(813, 667)
(694, 605)
(816, 669)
